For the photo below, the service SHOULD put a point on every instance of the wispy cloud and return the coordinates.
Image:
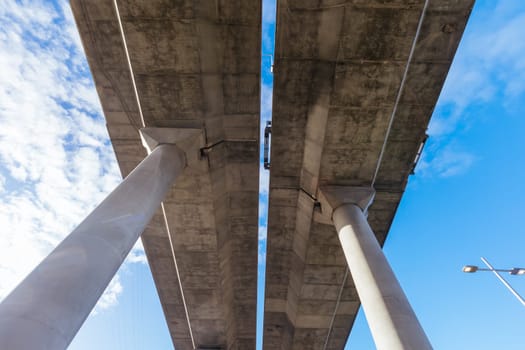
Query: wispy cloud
(110, 296)
(266, 104)
(489, 66)
(264, 179)
(56, 160)
(449, 161)
(268, 22)
(264, 175)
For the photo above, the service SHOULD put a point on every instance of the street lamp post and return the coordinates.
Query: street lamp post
(513, 271)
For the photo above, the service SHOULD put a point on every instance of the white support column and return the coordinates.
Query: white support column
(392, 322)
(48, 307)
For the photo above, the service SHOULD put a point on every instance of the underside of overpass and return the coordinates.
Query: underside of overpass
(342, 71)
(351, 105)
(194, 64)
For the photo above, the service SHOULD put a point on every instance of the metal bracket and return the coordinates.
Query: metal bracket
(418, 155)
(267, 140)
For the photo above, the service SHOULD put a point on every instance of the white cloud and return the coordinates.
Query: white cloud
(264, 175)
(446, 162)
(137, 254)
(266, 104)
(262, 232)
(268, 18)
(56, 163)
(110, 296)
(262, 257)
(2, 183)
(261, 247)
(490, 64)
(264, 182)
(264, 179)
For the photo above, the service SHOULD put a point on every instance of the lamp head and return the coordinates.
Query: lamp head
(470, 268)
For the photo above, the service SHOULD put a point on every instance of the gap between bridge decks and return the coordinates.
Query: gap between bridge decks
(268, 28)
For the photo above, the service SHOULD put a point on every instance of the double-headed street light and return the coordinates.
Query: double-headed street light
(513, 271)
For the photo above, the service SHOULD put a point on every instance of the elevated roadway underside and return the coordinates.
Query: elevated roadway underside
(191, 64)
(338, 70)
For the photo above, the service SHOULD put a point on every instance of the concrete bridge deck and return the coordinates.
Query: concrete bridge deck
(337, 72)
(194, 64)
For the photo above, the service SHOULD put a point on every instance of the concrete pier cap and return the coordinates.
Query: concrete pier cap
(188, 140)
(332, 197)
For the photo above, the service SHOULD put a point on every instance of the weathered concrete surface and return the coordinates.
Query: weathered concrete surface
(195, 64)
(338, 68)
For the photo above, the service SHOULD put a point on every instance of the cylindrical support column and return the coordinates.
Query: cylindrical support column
(390, 317)
(47, 308)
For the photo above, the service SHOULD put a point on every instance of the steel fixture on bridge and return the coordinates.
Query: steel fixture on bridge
(513, 271)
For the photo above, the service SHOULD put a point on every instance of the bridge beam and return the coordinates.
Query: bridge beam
(49, 306)
(392, 322)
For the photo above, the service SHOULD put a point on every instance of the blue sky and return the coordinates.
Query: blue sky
(464, 201)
